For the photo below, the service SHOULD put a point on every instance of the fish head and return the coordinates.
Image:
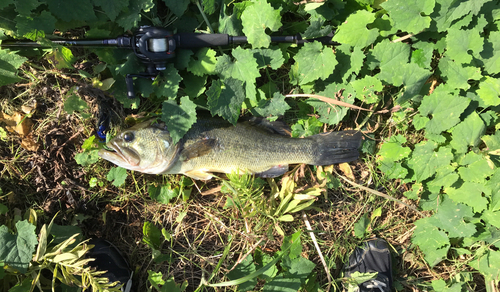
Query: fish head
(145, 147)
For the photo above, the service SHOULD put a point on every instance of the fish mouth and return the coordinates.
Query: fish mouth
(121, 156)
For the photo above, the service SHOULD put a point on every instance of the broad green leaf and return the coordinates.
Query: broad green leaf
(425, 161)
(275, 106)
(178, 117)
(413, 79)
(361, 226)
(394, 170)
(182, 58)
(111, 7)
(203, 62)
(16, 250)
(305, 128)
(231, 24)
(423, 54)
(456, 75)
(314, 61)
(445, 177)
(194, 86)
(445, 109)
(87, 157)
(354, 31)
(162, 194)
(282, 284)
(225, 99)
(489, 91)
(177, 6)
(390, 55)
(490, 55)
(61, 58)
(9, 63)
(3, 209)
(393, 149)
(245, 267)
(366, 88)
(6, 3)
(131, 19)
(44, 22)
(433, 242)
(268, 57)
(209, 6)
(467, 133)
(494, 185)
(74, 103)
(350, 61)
(24, 286)
(450, 218)
(476, 172)
(292, 243)
(243, 68)
(256, 18)
(491, 217)
(69, 10)
(460, 42)
(329, 113)
(492, 141)
(167, 84)
(24, 7)
(300, 268)
(450, 10)
(470, 194)
(408, 15)
(488, 264)
(317, 29)
(117, 175)
(151, 235)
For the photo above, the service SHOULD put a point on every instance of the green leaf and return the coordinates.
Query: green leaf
(256, 19)
(445, 109)
(131, 19)
(203, 62)
(390, 55)
(450, 218)
(178, 118)
(292, 242)
(69, 10)
(354, 31)
(74, 103)
(305, 128)
(87, 157)
(413, 78)
(275, 106)
(151, 235)
(162, 194)
(468, 133)
(329, 113)
(460, 42)
(425, 161)
(177, 6)
(225, 99)
(445, 177)
(456, 75)
(61, 58)
(3, 209)
(450, 10)
(492, 141)
(9, 63)
(209, 6)
(490, 55)
(361, 226)
(24, 286)
(245, 267)
(117, 175)
(6, 3)
(488, 264)
(314, 61)
(489, 91)
(392, 169)
(194, 86)
(366, 88)
(393, 149)
(476, 172)
(268, 57)
(433, 242)
(168, 82)
(44, 22)
(350, 62)
(111, 7)
(16, 250)
(470, 194)
(300, 268)
(244, 68)
(408, 15)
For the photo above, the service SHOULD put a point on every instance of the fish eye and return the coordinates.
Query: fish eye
(128, 137)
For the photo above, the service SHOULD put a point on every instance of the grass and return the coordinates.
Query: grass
(207, 239)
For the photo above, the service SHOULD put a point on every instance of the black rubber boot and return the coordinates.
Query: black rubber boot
(373, 256)
(108, 258)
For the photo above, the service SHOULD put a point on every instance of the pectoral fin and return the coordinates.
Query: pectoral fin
(199, 174)
(274, 171)
(198, 149)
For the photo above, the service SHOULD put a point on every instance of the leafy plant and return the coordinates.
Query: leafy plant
(23, 259)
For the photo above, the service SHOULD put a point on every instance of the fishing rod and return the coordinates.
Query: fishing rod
(155, 46)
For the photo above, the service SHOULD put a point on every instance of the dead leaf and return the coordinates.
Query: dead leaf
(17, 123)
(29, 143)
(346, 169)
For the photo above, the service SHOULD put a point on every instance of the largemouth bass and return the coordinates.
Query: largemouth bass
(254, 146)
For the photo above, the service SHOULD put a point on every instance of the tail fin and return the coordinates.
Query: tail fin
(336, 147)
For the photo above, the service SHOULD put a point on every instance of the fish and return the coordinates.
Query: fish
(254, 145)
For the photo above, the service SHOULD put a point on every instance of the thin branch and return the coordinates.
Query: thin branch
(329, 100)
